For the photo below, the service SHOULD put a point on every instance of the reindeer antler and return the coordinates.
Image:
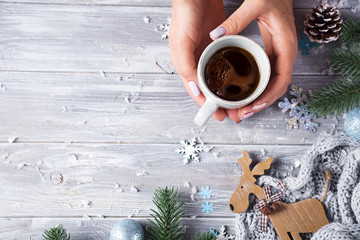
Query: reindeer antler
(245, 162)
(260, 167)
(257, 170)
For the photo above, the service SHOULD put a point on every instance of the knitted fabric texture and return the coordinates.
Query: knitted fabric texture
(338, 154)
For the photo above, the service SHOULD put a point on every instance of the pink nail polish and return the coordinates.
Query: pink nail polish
(217, 32)
(257, 107)
(248, 115)
(194, 88)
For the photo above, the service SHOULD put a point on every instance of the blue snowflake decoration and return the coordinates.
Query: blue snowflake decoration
(222, 234)
(299, 111)
(305, 45)
(205, 192)
(214, 232)
(207, 207)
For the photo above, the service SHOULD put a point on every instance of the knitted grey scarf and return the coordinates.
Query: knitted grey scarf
(338, 154)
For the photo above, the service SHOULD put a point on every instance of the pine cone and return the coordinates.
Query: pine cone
(323, 25)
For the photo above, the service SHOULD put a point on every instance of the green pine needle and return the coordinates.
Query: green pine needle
(204, 236)
(351, 31)
(167, 224)
(343, 95)
(56, 233)
(338, 97)
(346, 61)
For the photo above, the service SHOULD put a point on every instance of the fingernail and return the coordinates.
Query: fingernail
(194, 88)
(248, 115)
(217, 32)
(257, 107)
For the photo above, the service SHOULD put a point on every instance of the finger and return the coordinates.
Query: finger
(284, 45)
(237, 21)
(277, 85)
(276, 88)
(200, 99)
(233, 115)
(267, 39)
(183, 58)
(184, 62)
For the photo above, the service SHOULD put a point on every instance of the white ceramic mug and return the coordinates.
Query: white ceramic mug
(213, 102)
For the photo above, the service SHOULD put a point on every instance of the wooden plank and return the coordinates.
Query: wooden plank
(95, 229)
(167, 3)
(61, 107)
(76, 180)
(309, 3)
(109, 38)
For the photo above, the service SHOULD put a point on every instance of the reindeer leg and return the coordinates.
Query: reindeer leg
(296, 236)
(283, 235)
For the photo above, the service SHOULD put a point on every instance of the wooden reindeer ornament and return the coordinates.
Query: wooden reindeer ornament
(306, 216)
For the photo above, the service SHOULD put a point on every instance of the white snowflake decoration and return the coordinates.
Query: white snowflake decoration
(222, 235)
(190, 149)
(165, 28)
(300, 111)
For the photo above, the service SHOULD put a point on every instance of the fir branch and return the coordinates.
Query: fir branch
(167, 224)
(351, 31)
(56, 233)
(204, 236)
(338, 97)
(346, 61)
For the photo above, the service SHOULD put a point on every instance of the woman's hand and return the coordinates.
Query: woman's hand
(191, 23)
(276, 23)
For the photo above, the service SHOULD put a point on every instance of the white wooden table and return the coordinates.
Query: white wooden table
(79, 142)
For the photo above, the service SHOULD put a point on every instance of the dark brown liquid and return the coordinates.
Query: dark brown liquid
(232, 74)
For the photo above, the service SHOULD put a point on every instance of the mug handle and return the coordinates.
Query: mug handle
(205, 112)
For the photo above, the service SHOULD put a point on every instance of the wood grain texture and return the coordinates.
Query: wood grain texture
(167, 3)
(59, 107)
(105, 38)
(95, 228)
(47, 180)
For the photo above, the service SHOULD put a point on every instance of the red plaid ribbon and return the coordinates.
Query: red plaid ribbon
(266, 202)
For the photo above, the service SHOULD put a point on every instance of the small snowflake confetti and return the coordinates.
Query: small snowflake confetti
(126, 62)
(305, 45)
(74, 157)
(128, 76)
(193, 191)
(146, 19)
(222, 235)
(12, 139)
(207, 207)
(291, 123)
(214, 232)
(164, 28)
(190, 149)
(85, 204)
(118, 187)
(142, 173)
(205, 192)
(2, 87)
(286, 105)
(133, 189)
(299, 110)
